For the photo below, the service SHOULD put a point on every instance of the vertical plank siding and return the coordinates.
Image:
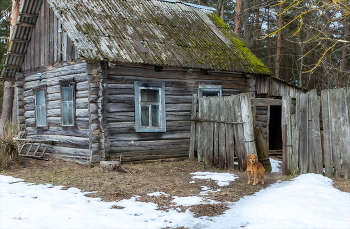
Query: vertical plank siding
(49, 43)
(225, 130)
(336, 131)
(308, 150)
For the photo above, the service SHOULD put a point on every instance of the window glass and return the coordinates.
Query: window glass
(67, 106)
(40, 108)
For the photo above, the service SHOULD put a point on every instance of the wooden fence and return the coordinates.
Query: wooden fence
(315, 129)
(310, 147)
(222, 130)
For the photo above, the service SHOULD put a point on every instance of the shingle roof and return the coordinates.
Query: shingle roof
(168, 33)
(154, 32)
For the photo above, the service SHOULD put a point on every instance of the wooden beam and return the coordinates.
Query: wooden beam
(29, 15)
(11, 66)
(15, 54)
(7, 79)
(25, 24)
(20, 40)
(266, 102)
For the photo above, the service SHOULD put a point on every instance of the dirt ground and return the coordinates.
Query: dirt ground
(140, 179)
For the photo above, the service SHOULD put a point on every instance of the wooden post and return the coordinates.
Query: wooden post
(193, 126)
(247, 118)
(284, 150)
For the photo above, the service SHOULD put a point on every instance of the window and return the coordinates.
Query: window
(209, 90)
(149, 107)
(67, 104)
(40, 108)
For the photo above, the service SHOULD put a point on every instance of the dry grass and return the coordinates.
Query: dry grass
(8, 146)
(170, 177)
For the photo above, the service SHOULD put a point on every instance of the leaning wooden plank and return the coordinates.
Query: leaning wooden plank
(327, 137)
(193, 126)
(262, 148)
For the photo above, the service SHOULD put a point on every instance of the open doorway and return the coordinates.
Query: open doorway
(275, 130)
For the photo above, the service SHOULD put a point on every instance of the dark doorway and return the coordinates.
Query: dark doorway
(275, 130)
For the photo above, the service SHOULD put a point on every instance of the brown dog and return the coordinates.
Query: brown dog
(256, 168)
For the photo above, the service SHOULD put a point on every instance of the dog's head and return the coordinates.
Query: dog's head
(252, 158)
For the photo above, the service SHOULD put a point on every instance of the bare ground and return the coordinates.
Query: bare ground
(170, 177)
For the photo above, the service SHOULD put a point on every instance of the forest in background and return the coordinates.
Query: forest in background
(303, 42)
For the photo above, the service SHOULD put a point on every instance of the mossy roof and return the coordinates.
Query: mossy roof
(166, 33)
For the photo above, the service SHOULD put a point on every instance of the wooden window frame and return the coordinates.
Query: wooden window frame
(138, 86)
(36, 90)
(63, 84)
(209, 88)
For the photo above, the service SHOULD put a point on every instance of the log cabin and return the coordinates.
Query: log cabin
(105, 79)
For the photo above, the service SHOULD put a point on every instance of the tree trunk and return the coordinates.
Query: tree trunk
(8, 97)
(238, 17)
(279, 43)
(246, 24)
(344, 63)
(220, 8)
(7, 104)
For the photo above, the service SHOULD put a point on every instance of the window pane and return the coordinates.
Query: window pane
(40, 115)
(144, 115)
(67, 113)
(40, 98)
(149, 95)
(155, 116)
(67, 94)
(210, 93)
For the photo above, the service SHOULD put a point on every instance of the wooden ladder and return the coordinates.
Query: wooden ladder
(33, 148)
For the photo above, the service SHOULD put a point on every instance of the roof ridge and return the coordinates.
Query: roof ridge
(191, 4)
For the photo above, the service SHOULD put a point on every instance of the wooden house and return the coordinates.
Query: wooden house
(110, 78)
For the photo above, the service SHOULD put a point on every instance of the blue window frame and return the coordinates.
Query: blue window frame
(67, 105)
(209, 90)
(150, 107)
(40, 108)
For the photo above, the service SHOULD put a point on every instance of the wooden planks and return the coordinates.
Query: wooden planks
(336, 131)
(307, 149)
(225, 130)
(49, 42)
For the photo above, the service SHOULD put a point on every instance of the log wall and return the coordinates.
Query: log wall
(180, 85)
(72, 142)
